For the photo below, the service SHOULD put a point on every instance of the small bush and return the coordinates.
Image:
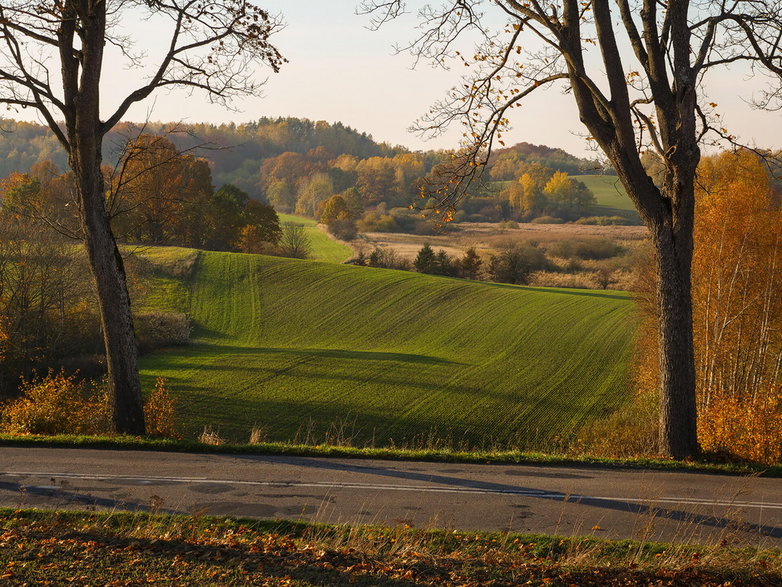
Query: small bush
(343, 228)
(515, 262)
(387, 259)
(547, 220)
(58, 404)
(159, 329)
(508, 224)
(588, 250)
(159, 411)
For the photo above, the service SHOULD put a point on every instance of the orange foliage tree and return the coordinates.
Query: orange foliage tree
(737, 310)
(737, 317)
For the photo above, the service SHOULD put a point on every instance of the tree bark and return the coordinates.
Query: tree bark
(678, 424)
(85, 137)
(113, 302)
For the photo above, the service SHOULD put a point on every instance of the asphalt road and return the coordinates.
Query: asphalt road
(650, 505)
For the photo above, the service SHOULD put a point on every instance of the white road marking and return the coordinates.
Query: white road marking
(552, 495)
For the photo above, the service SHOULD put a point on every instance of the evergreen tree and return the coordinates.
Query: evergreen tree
(426, 261)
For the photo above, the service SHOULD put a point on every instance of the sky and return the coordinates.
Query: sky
(340, 70)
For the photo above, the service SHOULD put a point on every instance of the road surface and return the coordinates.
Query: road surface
(612, 503)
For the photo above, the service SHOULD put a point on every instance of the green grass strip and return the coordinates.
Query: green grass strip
(440, 456)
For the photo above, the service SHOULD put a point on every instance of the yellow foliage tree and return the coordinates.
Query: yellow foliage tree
(737, 310)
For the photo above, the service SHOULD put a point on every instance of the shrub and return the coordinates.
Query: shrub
(59, 404)
(749, 429)
(159, 329)
(387, 259)
(547, 220)
(376, 222)
(343, 228)
(159, 411)
(605, 220)
(515, 262)
(591, 249)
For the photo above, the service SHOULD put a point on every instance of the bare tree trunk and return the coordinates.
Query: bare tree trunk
(678, 424)
(113, 298)
(85, 135)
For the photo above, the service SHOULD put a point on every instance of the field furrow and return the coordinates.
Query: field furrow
(302, 347)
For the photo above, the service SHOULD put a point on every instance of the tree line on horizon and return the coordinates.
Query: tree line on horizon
(297, 164)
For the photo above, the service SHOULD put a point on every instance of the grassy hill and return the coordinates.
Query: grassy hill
(323, 247)
(300, 345)
(612, 200)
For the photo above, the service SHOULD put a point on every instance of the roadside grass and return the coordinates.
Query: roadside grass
(612, 200)
(316, 353)
(133, 548)
(420, 454)
(324, 248)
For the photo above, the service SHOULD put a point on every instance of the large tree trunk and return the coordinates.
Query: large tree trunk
(113, 298)
(673, 241)
(85, 135)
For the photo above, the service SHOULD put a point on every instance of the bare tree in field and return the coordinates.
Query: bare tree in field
(636, 70)
(52, 59)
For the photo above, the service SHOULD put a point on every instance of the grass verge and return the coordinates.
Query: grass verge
(399, 454)
(122, 549)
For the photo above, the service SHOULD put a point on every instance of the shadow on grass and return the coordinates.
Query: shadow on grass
(587, 293)
(210, 348)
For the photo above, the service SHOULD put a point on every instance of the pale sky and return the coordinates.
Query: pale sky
(339, 70)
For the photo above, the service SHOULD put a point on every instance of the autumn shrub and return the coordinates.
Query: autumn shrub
(58, 404)
(750, 428)
(158, 329)
(160, 411)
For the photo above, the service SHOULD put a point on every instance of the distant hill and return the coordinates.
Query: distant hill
(553, 157)
(235, 150)
(389, 356)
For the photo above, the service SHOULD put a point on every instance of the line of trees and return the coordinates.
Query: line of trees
(156, 195)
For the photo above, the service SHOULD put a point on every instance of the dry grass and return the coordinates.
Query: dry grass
(485, 237)
(210, 436)
(258, 435)
(140, 548)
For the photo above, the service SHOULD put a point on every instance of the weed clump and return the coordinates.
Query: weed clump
(159, 411)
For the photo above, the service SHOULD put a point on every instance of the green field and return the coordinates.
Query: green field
(612, 199)
(323, 247)
(294, 345)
